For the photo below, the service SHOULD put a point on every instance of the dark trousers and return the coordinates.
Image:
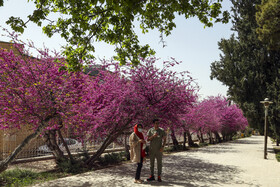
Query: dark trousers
(138, 170)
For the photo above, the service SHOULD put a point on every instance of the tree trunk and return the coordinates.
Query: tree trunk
(190, 141)
(224, 137)
(52, 145)
(198, 137)
(218, 138)
(111, 137)
(174, 139)
(185, 140)
(126, 146)
(201, 137)
(277, 142)
(89, 163)
(66, 146)
(210, 138)
(5, 163)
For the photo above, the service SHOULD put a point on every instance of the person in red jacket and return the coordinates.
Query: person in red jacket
(137, 152)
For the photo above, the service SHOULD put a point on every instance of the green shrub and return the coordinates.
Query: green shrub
(203, 144)
(112, 158)
(195, 145)
(74, 167)
(278, 156)
(168, 149)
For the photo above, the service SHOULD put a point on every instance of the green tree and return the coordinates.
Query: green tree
(268, 19)
(82, 23)
(274, 119)
(246, 66)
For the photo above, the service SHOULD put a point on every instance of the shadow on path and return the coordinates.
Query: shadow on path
(181, 170)
(215, 149)
(247, 141)
(189, 169)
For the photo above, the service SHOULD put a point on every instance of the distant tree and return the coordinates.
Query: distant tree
(268, 19)
(82, 23)
(246, 66)
(214, 115)
(232, 121)
(274, 108)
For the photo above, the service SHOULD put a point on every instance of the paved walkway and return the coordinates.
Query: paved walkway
(237, 163)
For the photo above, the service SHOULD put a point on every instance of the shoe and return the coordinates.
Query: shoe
(138, 181)
(159, 179)
(151, 178)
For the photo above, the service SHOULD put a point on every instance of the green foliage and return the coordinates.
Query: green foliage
(112, 158)
(246, 66)
(268, 19)
(74, 167)
(18, 177)
(16, 23)
(277, 153)
(203, 144)
(278, 156)
(248, 132)
(113, 22)
(274, 115)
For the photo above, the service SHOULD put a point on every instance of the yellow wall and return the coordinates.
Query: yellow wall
(9, 46)
(10, 139)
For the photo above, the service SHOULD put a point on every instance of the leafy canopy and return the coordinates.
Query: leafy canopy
(247, 67)
(268, 19)
(82, 23)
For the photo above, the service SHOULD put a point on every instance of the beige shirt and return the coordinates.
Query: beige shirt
(135, 148)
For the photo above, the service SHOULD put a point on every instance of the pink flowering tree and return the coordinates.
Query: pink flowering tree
(191, 120)
(232, 121)
(214, 115)
(37, 94)
(211, 108)
(34, 94)
(119, 98)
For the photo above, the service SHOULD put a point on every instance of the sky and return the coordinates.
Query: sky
(189, 42)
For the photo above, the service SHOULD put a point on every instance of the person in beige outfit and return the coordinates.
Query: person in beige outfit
(137, 153)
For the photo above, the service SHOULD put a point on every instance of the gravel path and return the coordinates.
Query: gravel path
(236, 163)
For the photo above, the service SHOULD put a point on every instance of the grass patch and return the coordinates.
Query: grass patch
(277, 154)
(20, 177)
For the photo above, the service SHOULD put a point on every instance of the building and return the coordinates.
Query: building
(10, 139)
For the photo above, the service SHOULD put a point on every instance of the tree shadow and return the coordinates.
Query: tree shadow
(215, 149)
(270, 150)
(246, 141)
(180, 170)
